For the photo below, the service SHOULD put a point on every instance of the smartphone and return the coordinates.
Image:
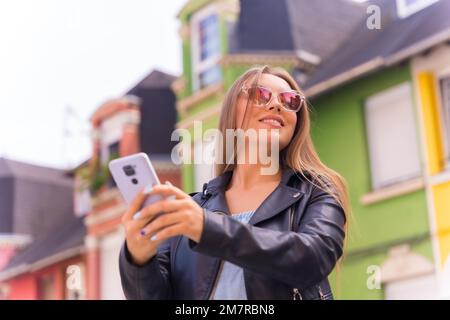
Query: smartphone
(132, 174)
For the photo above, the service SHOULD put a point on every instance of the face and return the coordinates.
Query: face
(273, 118)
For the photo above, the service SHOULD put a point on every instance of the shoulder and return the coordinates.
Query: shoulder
(317, 193)
(305, 183)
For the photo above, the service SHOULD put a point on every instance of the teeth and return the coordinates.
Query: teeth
(272, 121)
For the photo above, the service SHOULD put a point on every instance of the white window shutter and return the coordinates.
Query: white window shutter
(392, 136)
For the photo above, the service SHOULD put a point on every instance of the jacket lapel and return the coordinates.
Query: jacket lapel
(278, 201)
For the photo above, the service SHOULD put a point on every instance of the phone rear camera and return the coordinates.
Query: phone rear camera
(129, 170)
(134, 180)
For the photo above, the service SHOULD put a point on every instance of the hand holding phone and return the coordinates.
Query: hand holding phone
(132, 175)
(140, 187)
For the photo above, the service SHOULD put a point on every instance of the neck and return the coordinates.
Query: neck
(246, 176)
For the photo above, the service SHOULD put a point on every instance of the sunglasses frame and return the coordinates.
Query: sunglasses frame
(302, 97)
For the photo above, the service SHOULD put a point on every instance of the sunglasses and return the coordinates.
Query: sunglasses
(290, 100)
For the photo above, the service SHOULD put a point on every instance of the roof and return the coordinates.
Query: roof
(18, 169)
(367, 50)
(33, 198)
(320, 26)
(316, 27)
(155, 79)
(62, 242)
(158, 112)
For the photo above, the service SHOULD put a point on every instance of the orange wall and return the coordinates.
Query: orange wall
(23, 288)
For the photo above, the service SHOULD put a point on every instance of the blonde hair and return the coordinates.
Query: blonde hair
(300, 154)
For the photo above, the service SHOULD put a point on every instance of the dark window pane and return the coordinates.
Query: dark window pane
(209, 37)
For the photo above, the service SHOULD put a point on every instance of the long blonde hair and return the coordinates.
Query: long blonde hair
(300, 154)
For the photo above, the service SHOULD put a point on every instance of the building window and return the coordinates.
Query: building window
(82, 201)
(109, 152)
(445, 103)
(406, 8)
(46, 287)
(392, 136)
(208, 29)
(206, 50)
(210, 76)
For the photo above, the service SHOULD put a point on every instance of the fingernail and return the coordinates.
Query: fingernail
(137, 215)
(148, 189)
(153, 237)
(142, 232)
(168, 183)
(172, 197)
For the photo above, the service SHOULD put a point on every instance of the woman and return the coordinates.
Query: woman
(247, 235)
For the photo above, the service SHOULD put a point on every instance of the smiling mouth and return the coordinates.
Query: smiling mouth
(272, 122)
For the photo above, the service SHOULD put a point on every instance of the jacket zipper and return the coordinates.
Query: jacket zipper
(296, 293)
(322, 297)
(297, 296)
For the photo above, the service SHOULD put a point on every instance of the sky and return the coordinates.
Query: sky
(57, 56)
(60, 60)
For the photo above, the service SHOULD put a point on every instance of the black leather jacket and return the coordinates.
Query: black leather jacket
(278, 263)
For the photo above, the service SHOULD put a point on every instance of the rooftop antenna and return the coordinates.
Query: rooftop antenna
(70, 116)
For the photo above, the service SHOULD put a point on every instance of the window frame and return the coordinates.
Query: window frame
(444, 112)
(199, 66)
(106, 150)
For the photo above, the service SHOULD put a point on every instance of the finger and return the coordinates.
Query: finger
(170, 231)
(144, 216)
(135, 226)
(137, 202)
(166, 190)
(163, 206)
(162, 221)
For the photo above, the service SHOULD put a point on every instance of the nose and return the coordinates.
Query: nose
(274, 104)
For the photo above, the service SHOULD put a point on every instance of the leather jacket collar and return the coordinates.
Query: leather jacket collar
(281, 198)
